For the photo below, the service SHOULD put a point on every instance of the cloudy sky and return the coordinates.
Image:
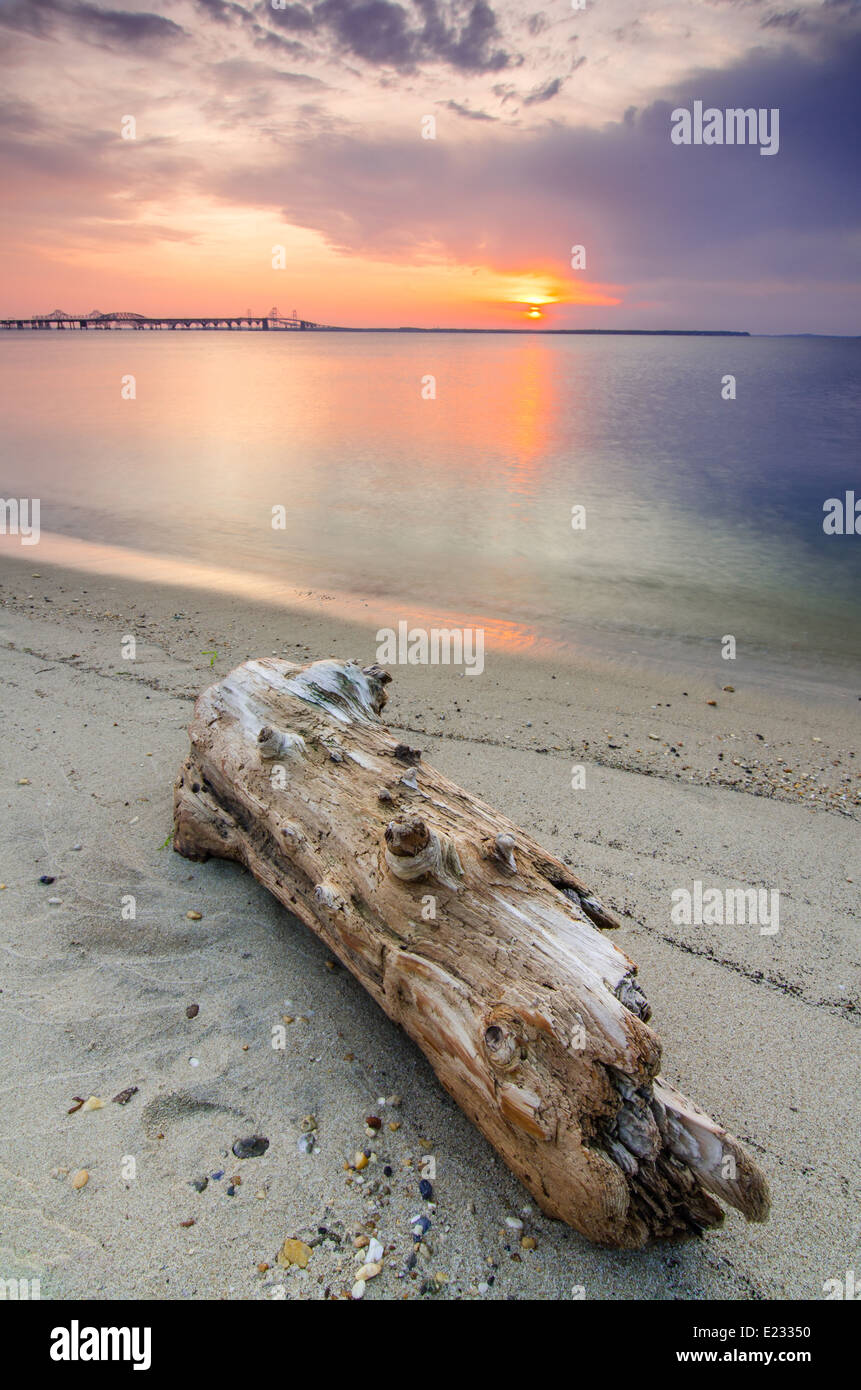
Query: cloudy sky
(301, 126)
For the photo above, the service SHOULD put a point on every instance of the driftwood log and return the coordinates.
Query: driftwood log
(486, 949)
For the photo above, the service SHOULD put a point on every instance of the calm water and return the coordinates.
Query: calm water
(704, 517)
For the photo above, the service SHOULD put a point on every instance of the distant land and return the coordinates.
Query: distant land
(58, 320)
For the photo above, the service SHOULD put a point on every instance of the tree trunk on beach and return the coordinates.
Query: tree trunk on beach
(486, 949)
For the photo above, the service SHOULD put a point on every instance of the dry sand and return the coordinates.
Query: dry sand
(761, 1030)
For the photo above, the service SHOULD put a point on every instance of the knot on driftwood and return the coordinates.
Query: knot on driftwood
(501, 849)
(343, 689)
(273, 743)
(504, 1038)
(413, 851)
(628, 992)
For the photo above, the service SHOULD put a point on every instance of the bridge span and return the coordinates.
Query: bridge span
(60, 321)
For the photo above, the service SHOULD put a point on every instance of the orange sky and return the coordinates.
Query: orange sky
(303, 126)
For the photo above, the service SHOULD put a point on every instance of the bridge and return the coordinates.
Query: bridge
(60, 321)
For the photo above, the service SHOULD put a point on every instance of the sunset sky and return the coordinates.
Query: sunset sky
(301, 127)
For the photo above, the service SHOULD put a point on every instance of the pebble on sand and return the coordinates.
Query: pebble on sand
(124, 1097)
(294, 1252)
(192, 1011)
(254, 1146)
(79, 1179)
(194, 916)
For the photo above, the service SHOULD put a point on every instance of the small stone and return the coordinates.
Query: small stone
(253, 1147)
(713, 703)
(186, 1224)
(309, 1123)
(123, 1097)
(375, 1251)
(373, 1122)
(294, 1252)
(528, 1243)
(514, 1223)
(426, 1189)
(731, 689)
(192, 1011)
(194, 916)
(394, 1126)
(306, 1144)
(361, 1242)
(369, 1271)
(55, 902)
(79, 1179)
(47, 878)
(262, 1267)
(199, 1184)
(358, 1289)
(93, 1103)
(360, 1162)
(483, 1288)
(23, 781)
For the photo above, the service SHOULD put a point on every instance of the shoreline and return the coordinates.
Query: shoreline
(751, 724)
(761, 1030)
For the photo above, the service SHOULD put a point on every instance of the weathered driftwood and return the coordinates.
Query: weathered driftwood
(480, 944)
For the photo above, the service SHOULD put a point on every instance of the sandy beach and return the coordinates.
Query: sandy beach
(684, 780)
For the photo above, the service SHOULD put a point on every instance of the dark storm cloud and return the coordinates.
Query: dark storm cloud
(651, 213)
(294, 17)
(388, 34)
(460, 110)
(224, 11)
(545, 93)
(42, 18)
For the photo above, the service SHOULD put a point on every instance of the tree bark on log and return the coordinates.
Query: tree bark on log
(487, 950)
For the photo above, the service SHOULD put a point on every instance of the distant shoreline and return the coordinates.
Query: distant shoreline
(206, 324)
